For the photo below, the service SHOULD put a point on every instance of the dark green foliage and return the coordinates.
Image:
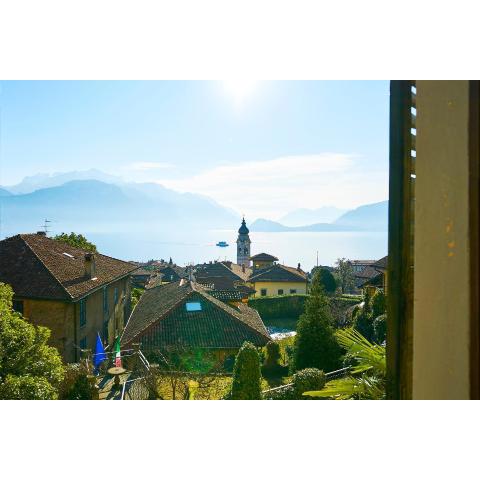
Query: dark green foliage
(328, 281)
(380, 328)
(374, 306)
(75, 385)
(339, 306)
(315, 343)
(76, 240)
(344, 274)
(246, 374)
(284, 306)
(29, 368)
(135, 296)
(303, 381)
(273, 354)
(306, 380)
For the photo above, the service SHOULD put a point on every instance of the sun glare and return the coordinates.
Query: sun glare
(240, 90)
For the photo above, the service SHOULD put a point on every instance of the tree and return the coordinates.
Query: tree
(76, 240)
(29, 368)
(273, 354)
(374, 306)
(246, 374)
(344, 274)
(135, 295)
(315, 343)
(369, 364)
(327, 280)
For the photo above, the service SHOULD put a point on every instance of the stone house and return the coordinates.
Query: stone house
(73, 292)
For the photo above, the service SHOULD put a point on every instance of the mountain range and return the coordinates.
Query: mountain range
(307, 216)
(372, 217)
(99, 207)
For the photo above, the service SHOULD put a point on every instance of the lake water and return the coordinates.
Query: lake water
(290, 247)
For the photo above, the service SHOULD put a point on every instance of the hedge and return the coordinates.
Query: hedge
(283, 306)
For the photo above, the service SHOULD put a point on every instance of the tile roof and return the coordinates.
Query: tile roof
(173, 272)
(278, 273)
(382, 263)
(160, 319)
(264, 257)
(223, 269)
(39, 267)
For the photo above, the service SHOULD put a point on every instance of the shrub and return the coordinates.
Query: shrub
(273, 354)
(75, 385)
(246, 374)
(307, 380)
(284, 306)
(380, 328)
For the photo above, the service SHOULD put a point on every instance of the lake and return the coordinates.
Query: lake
(185, 246)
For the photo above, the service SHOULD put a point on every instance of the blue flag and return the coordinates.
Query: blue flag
(99, 356)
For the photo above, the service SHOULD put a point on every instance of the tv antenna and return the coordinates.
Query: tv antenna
(46, 226)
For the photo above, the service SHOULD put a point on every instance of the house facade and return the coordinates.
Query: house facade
(278, 280)
(72, 292)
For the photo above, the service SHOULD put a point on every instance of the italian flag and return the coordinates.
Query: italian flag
(118, 358)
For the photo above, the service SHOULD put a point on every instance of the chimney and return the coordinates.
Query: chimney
(90, 265)
(42, 233)
(243, 268)
(298, 268)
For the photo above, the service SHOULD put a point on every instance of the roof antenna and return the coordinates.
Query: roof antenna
(45, 226)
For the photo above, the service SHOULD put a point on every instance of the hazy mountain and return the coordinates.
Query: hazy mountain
(46, 180)
(367, 217)
(306, 216)
(92, 206)
(263, 225)
(373, 217)
(4, 193)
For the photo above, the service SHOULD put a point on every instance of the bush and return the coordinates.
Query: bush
(75, 385)
(380, 328)
(307, 380)
(284, 306)
(273, 354)
(246, 374)
(303, 381)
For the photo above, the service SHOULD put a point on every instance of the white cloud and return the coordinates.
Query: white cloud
(272, 188)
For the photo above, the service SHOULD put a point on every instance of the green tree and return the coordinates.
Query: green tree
(328, 281)
(29, 368)
(315, 343)
(273, 354)
(344, 274)
(246, 374)
(367, 377)
(135, 296)
(76, 240)
(374, 306)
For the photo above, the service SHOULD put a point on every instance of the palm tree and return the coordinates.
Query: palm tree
(370, 367)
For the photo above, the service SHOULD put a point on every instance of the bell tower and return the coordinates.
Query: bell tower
(243, 245)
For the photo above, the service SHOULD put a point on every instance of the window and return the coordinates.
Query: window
(18, 306)
(193, 306)
(263, 292)
(105, 300)
(115, 296)
(83, 313)
(293, 290)
(83, 343)
(280, 291)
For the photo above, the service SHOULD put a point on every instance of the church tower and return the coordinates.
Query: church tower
(243, 245)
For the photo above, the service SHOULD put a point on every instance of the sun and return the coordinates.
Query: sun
(240, 90)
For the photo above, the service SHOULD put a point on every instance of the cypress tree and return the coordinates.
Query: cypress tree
(246, 374)
(315, 343)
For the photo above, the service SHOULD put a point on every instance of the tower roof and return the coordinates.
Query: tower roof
(243, 230)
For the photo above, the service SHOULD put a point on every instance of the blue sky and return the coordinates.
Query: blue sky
(262, 148)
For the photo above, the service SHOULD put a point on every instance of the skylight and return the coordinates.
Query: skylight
(193, 306)
(68, 255)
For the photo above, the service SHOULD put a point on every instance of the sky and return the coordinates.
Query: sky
(261, 148)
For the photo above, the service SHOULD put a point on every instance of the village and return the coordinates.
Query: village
(250, 329)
